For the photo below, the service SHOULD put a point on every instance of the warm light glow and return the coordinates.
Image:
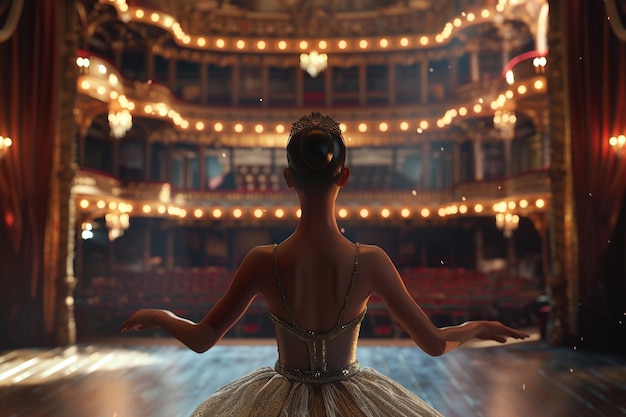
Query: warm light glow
(238, 128)
(425, 212)
(241, 44)
(343, 213)
(462, 209)
(383, 43)
(198, 213)
(404, 126)
(540, 203)
(478, 208)
(199, 125)
(405, 212)
(521, 89)
(322, 44)
(220, 43)
(260, 45)
(303, 45)
(83, 203)
(217, 213)
(477, 108)
(258, 128)
(280, 128)
(139, 13)
(362, 127)
(538, 85)
(485, 13)
(237, 213)
(258, 213)
(383, 127)
(282, 45)
(385, 213)
(313, 62)
(218, 127)
(342, 44)
(363, 44)
(424, 124)
(146, 208)
(279, 213)
(364, 213)
(201, 41)
(441, 212)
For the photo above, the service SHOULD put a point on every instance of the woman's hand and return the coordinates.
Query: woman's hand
(141, 320)
(494, 330)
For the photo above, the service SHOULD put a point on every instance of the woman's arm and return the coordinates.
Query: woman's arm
(385, 280)
(205, 334)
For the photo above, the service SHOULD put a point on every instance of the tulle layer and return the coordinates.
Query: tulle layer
(265, 393)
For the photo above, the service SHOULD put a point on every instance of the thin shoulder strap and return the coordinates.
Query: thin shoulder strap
(282, 290)
(355, 271)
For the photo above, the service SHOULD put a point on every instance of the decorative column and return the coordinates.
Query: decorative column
(562, 281)
(115, 148)
(426, 165)
(234, 92)
(61, 224)
(362, 84)
(424, 80)
(149, 63)
(454, 72)
(479, 170)
(265, 84)
(201, 168)
(391, 81)
(474, 65)
(204, 83)
(147, 160)
(456, 163)
(171, 73)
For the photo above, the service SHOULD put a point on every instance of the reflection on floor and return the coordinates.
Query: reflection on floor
(137, 377)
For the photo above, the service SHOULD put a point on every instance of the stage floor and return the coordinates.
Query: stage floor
(157, 377)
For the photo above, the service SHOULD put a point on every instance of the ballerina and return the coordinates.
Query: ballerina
(317, 285)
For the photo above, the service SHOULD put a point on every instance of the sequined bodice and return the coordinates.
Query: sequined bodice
(319, 342)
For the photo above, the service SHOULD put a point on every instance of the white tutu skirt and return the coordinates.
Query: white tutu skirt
(266, 393)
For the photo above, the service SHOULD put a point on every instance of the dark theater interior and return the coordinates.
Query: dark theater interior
(142, 151)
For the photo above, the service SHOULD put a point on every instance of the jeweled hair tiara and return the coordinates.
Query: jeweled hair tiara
(315, 120)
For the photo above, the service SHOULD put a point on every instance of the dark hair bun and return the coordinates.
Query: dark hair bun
(316, 148)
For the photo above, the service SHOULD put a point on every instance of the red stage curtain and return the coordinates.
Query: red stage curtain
(597, 91)
(28, 112)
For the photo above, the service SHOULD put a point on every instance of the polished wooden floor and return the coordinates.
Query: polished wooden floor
(140, 377)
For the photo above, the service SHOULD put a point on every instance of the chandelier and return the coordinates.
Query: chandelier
(120, 119)
(5, 144)
(117, 224)
(507, 223)
(313, 63)
(504, 121)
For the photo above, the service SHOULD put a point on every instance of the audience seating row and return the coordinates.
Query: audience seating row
(448, 296)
